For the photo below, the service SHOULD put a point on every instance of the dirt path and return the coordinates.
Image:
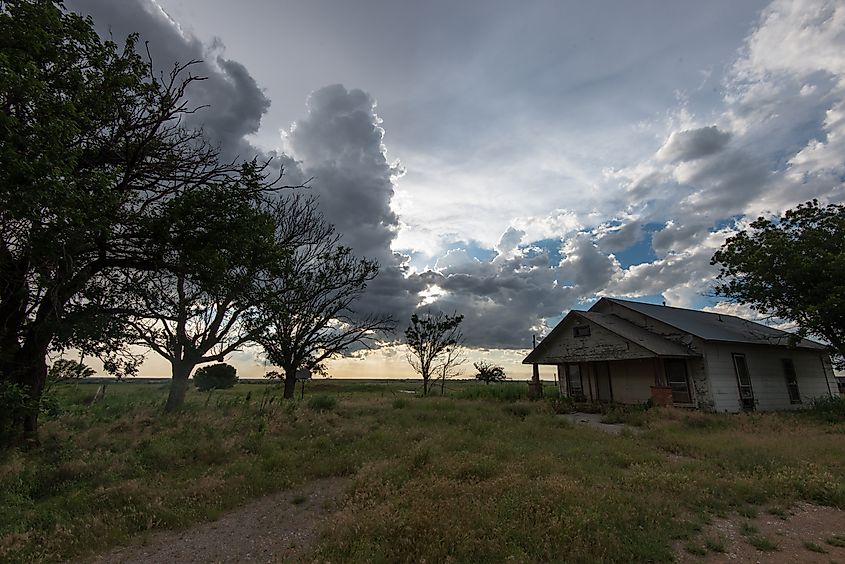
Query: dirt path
(594, 420)
(802, 534)
(277, 528)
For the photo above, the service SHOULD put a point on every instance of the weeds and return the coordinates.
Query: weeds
(836, 540)
(322, 403)
(830, 409)
(813, 547)
(421, 470)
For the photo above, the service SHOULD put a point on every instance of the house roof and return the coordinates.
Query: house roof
(715, 326)
(651, 342)
(643, 337)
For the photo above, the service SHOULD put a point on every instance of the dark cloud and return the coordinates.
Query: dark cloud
(340, 143)
(235, 103)
(693, 144)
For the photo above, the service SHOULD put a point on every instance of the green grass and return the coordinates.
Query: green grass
(813, 547)
(715, 545)
(456, 478)
(836, 540)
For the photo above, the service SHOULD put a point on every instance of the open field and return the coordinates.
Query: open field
(479, 475)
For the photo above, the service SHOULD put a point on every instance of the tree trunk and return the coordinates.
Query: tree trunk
(290, 383)
(442, 385)
(38, 379)
(32, 376)
(178, 386)
(425, 386)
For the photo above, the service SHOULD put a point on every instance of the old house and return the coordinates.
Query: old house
(628, 352)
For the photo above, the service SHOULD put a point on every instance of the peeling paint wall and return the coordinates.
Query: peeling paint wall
(601, 344)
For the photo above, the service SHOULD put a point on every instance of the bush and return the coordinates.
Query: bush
(830, 409)
(322, 403)
(400, 403)
(216, 377)
(561, 404)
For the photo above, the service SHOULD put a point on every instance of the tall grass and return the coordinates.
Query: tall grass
(474, 476)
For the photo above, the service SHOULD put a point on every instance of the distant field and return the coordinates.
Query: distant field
(479, 475)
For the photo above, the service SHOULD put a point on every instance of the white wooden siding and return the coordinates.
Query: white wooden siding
(765, 366)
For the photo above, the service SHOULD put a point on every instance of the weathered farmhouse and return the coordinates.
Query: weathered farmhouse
(628, 352)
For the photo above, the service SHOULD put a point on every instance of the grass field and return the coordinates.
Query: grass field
(479, 475)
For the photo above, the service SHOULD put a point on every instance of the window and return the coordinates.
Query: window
(743, 381)
(573, 381)
(581, 331)
(791, 380)
(676, 376)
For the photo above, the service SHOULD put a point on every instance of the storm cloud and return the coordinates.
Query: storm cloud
(694, 144)
(522, 183)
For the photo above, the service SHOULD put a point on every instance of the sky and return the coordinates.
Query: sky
(514, 160)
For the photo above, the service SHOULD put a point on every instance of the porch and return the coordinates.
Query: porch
(665, 380)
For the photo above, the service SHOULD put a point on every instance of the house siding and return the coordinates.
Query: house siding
(600, 345)
(768, 381)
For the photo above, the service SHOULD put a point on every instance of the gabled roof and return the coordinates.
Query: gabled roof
(651, 342)
(643, 337)
(715, 326)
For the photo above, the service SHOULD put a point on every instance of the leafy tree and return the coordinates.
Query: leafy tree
(489, 372)
(203, 307)
(220, 376)
(92, 149)
(792, 268)
(68, 369)
(307, 313)
(430, 338)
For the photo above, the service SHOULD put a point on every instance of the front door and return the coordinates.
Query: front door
(743, 381)
(603, 388)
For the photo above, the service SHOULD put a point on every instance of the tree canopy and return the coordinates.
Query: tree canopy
(793, 268)
(307, 311)
(92, 150)
(487, 372)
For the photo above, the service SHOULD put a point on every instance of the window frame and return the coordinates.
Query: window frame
(688, 398)
(749, 402)
(581, 331)
(791, 383)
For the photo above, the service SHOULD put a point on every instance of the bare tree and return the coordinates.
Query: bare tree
(453, 359)
(432, 340)
(307, 313)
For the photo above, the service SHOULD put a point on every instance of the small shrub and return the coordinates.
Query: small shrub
(400, 403)
(813, 547)
(518, 410)
(561, 405)
(715, 545)
(827, 409)
(696, 549)
(762, 543)
(322, 403)
(836, 540)
(748, 512)
(216, 377)
(612, 417)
